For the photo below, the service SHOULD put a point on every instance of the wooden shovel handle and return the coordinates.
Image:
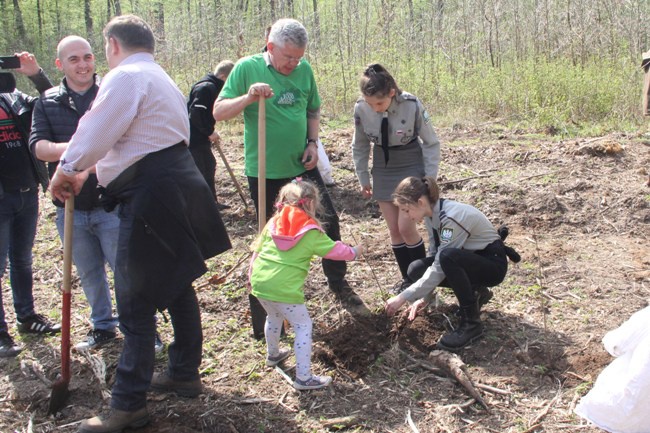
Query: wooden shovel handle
(261, 164)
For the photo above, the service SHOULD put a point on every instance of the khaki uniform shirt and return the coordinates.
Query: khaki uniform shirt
(408, 120)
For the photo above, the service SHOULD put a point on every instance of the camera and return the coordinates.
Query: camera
(9, 62)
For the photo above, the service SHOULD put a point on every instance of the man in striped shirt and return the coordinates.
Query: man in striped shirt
(136, 134)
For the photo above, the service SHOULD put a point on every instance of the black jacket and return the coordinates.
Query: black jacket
(199, 106)
(20, 106)
(176, 224)
(56, 119)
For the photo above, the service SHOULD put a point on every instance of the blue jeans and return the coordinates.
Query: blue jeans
(18, 217)
(94, 243)
(137, 324)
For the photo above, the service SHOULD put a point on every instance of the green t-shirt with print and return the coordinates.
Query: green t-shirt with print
(286, 114)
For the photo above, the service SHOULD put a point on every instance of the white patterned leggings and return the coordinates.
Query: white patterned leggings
(298, 317)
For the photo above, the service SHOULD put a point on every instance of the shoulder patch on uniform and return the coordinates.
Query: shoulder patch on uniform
(446, 234)
(426, 117)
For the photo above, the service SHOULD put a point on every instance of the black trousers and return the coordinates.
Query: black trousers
(207, 165)
(466, 270)
(334, 270)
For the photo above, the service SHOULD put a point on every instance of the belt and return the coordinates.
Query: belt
(23, 189)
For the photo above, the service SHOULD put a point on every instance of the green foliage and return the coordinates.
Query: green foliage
(503, 63)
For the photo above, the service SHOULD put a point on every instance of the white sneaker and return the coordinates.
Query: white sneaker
(314, 382)
(272, 361)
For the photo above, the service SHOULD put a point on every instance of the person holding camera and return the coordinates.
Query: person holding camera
(20, 176)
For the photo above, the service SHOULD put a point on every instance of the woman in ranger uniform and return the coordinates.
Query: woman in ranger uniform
(468, 255)
(404, 144)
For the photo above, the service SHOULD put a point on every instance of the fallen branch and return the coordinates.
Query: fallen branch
(548, 173)
(536, 422)
(38, 371)
(456, 367)
(532, 428)
(284, 405)
(465, 179)
(424, 364)
(340, 423)
(492, 389)
(410, 422)
(252, 400)
(460, 407)
(284, 375)
(220, 280)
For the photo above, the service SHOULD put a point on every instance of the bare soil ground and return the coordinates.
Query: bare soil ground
(579, 214)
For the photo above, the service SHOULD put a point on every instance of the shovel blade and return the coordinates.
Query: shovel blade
(59, 396)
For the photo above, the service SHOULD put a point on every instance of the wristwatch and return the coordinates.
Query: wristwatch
(312, 140)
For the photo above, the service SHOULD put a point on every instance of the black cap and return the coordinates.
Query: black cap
(7, 82)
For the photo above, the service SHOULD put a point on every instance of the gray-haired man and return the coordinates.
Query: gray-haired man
(286, 79)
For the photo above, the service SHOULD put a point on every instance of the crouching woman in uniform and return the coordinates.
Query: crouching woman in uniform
(467, 255)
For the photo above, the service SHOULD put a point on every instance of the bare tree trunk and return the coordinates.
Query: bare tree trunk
(89, 20)
(272, 6)
(547, 31)
(4, 17)
(18, 19)
(570, 28)
(339, 44)
(316, 32)
(39, 15)
(497, 40)
(159, 21)
(118, 7)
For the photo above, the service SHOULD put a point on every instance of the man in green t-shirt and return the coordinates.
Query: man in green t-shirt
(286, 79)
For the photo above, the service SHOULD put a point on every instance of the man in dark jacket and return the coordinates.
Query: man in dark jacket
(20, 176)
(202, 132)
(95, 234)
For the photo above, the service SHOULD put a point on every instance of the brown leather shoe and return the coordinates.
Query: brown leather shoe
(115, 422)
(161, 382)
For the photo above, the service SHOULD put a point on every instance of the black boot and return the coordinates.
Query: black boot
(403, 261)
(470, 329)
(417, 250)
(483, 296)
(403, 258)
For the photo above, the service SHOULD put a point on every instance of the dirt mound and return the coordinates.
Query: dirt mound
(354, 345)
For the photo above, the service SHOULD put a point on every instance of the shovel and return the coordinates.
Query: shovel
(232, 175)
(258, 314)
(60, 387)
(261, 164)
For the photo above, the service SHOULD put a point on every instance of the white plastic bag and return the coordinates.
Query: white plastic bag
(620, 397)
(324, 166)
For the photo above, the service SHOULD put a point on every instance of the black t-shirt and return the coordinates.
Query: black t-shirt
(15, 166)
(83, 100)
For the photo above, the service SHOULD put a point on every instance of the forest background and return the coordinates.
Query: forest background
(567, 66)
